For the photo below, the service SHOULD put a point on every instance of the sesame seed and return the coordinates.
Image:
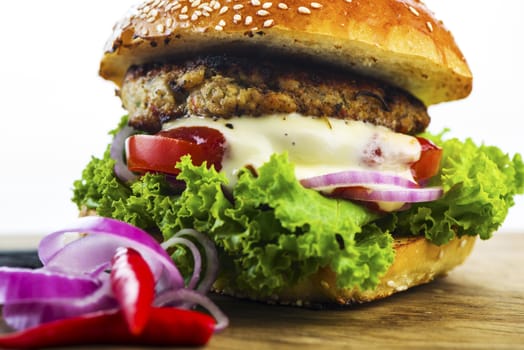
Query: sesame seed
(195, 3)
(223, 10)
(414, 11)
(169, 22)
(304, 10)
(463, 242)
(237, 7)
(267, 5)
(391, 284)
(255, 2)
(222, 23)
(248, 20)
(183, 17)
(160, 28)
(184, 10)
(145, 32)
(263, 13)
(430, 26)
(282, 6)
(219, 28)
(237, 18)
(216, 5)
(401, 288)
(194, 17)
(269, 23)
(316, 5)
(349, 1)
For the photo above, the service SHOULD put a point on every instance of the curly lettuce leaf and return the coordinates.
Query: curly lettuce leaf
(479, 185)
(276, 232)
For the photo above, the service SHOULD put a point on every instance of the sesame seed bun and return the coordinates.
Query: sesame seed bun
(397, 41)
(417, 261)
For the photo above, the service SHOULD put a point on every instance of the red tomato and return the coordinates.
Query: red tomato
(211, 140)
(161, 152)
(429, 163)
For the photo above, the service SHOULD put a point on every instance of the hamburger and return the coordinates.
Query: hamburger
(293, 134)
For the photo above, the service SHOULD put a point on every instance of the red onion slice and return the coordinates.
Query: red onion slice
(356, 178)
(211, 272)
(74, 278)
(23, 285)
(117, 152)
(405, 195)
(197, 259)
(28, 314)
(103, 237)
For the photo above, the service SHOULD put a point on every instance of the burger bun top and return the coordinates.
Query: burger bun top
(397, 41)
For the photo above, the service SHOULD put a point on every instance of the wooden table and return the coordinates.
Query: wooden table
(479, 305)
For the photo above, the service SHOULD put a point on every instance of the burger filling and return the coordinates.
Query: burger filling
(279, 165)
(235, 112)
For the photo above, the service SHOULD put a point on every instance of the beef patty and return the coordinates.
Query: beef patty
(225, 86)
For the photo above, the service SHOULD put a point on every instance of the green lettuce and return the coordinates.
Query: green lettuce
(271, 232)
(275, 232)
(479, 185)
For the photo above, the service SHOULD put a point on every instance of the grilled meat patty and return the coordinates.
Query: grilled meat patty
(225, 86)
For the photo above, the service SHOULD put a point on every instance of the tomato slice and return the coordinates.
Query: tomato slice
(161, 152)
(211, 140)
(429, 163)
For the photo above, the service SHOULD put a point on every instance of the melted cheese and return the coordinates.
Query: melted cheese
(315, 146)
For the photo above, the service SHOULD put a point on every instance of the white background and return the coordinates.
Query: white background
(55, 111)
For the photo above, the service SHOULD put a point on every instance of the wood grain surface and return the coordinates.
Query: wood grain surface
(479, 305)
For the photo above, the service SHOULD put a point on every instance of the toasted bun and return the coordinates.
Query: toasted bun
(397, 41)
(416, 262)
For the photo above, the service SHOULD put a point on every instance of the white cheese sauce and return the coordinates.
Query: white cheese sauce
(315, 146)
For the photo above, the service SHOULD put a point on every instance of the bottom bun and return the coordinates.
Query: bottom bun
(417, 261)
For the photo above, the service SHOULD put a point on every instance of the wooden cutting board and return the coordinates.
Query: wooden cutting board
(479, 305)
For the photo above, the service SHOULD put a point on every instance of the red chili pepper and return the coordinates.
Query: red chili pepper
(133, 285)
(165, 327)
